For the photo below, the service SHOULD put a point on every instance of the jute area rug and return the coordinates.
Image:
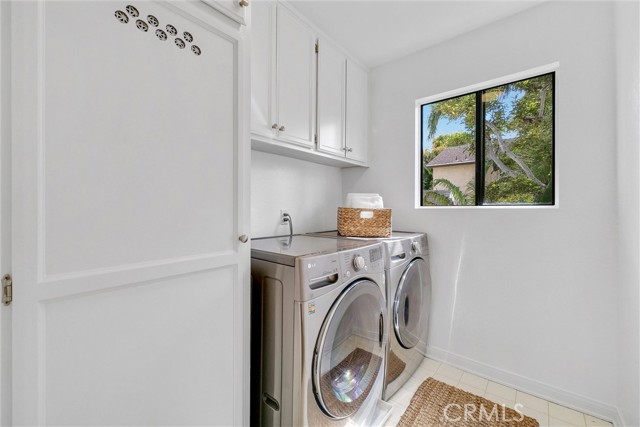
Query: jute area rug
(438, 404)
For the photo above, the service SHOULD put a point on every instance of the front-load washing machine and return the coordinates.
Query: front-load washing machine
(408, 294)
(321, 313)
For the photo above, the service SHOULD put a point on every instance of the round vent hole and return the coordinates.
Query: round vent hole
(187, 37)
(180, 43)
(195, 49)
(142, 26)
(152, 20)
(121, 16)
(132, 11)
(171, 30)
(161, 34)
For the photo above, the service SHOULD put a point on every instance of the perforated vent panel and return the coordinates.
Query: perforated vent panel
(154, 21)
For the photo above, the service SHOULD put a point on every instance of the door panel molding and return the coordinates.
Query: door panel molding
(132, 275)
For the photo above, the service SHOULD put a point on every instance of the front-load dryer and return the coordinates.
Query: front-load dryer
(408, 291)
(409, 302)
(322, 316)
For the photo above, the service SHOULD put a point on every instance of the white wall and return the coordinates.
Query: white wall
(311, 192)
(628, 121)
(525, 296)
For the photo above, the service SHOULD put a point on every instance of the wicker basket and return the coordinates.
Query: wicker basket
(353, 222)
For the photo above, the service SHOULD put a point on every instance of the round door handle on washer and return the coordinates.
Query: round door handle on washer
(281, 128)
(244, 238)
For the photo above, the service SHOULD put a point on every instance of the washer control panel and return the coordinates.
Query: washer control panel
(320, 273)
(358, 263)
(375, 254)
(362, 261)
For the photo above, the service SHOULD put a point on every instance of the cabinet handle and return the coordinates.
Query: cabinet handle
(281, 129)
(244, 238)
(274, 126)
(243, 3)
(349, 149)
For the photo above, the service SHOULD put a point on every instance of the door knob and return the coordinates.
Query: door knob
(244, 238)
(281, 129)
(243, 3)
(349, 149)
(274, 126)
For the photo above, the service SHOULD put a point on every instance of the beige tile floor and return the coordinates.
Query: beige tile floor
(547, 413)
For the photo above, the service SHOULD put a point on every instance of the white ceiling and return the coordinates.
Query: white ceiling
(380, 31)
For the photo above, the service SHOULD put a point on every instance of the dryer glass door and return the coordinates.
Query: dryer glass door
(410, 305)
(350, 349)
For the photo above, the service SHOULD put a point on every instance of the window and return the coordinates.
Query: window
(490, 147)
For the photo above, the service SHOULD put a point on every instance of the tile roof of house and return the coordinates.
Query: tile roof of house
(452, 156)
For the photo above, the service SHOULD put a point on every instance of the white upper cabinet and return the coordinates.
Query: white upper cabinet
(234, 9)
(283, 76)
(342, 105)
(291, 79)
(357, 112)
(332, 65)
(263, 68)
(296, 79)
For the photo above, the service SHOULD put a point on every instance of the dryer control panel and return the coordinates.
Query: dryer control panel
(402, 251)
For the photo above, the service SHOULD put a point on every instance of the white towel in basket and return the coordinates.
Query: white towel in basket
(364, 201)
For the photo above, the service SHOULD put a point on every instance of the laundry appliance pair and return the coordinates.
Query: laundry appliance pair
(319, 332)
(408, 294)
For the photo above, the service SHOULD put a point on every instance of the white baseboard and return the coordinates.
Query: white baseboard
(561, 397)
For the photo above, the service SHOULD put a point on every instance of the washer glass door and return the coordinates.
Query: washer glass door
(350, 349)
(410, 305)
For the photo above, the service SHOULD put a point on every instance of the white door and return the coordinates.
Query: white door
(5, 207)
(296, 82)
(129, 194)
(331, 99)
(357, 112)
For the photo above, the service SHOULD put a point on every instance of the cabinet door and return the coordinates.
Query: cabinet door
(357, 112)
(263, 68)
(234, 9)
(296, 81)
(331, 99)
(129, 193)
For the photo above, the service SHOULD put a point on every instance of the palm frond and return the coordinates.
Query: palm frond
(457, 196)
(432, 122)
(433, 198)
